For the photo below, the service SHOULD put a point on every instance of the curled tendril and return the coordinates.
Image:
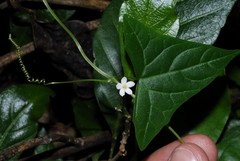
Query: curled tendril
(23, 68)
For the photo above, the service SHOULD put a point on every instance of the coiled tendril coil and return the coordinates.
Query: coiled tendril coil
(23, 68)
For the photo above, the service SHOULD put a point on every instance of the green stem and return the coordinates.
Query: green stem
(78, 81)
(133, 96)
(110, 78)
(175, 134)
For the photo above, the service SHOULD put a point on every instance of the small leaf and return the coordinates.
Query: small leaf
(202, 20)
(228, 147)
(20, 107)
(170, 71)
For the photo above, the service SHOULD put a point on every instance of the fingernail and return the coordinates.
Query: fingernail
(182, 154)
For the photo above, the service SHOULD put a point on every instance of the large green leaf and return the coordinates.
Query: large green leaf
(158, 15)
(228, 148)
(107, 58)
(170, 71)
(201, 20)
(20, 108)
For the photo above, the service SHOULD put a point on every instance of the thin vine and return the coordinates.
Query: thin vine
(109, 77)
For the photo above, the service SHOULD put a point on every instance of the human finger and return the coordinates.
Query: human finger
(202, 145)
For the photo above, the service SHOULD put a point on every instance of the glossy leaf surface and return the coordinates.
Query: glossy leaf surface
(158, 15)
(170, 71)
(107, 58)
(20, 107)
(201, 20)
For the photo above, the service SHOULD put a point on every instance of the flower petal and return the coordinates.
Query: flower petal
(122, 92)
(119, 86)
(130, 84)
(128, 91)
(123, 80)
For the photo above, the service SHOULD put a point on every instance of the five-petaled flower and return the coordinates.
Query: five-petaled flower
(124, 86)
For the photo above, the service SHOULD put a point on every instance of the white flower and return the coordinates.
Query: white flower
(124, 86)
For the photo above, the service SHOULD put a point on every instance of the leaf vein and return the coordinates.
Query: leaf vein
(108, 57)
(187, 68)
(4, 135)
(201, 15)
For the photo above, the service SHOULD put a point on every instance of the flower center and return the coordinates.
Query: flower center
(124, 86)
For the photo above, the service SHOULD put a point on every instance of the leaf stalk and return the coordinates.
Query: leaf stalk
(175, 134)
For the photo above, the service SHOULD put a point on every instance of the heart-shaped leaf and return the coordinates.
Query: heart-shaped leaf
(170, 71)
(201, 20)
(20, 108)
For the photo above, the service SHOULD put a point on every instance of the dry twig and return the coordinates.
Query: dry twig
(91, 4)
(125, 135)
(78, 145)
(12, 56)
